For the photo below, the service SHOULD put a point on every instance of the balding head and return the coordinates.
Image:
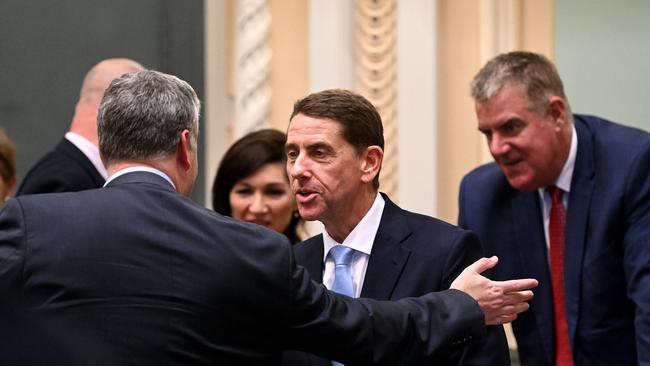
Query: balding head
(101, 75)
(95, 83)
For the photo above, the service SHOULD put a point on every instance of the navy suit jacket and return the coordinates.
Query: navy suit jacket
(412, 255)
(64, 169)
(607, 247)
(135, 273)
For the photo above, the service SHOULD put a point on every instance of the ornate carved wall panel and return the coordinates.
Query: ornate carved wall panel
(252, 63)
(376, 75)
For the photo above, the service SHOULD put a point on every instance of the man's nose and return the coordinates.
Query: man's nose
(298, 167)
(498, 145)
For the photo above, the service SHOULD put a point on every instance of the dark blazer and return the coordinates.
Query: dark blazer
(64, 169)
(412, 255)
(135, 273)
(607, 247)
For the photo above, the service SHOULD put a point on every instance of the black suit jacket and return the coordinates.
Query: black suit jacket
(64, 169)
(606, 253)
(412, 255)
(135, 273)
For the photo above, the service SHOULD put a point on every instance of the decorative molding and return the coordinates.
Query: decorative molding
(376, 70)
(252, 65)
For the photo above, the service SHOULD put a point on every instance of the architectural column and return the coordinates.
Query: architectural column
(252, 63)
(376, 70)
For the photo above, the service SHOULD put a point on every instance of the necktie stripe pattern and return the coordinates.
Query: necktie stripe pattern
(343, 283)
(556, 228)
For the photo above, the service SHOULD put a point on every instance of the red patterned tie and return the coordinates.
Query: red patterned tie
(556, 227)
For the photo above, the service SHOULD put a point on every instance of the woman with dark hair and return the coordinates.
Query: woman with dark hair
(252, 185)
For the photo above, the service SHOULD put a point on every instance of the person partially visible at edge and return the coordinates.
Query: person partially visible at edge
(251, 183)
(7, 166)
(149, 277)
(566, 201)
(75, 164)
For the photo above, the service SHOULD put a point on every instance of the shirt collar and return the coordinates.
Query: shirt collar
(140, 168)
(89, 150)
(363, 235)
(564, 180)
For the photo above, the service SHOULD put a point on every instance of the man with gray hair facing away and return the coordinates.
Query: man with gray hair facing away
(145, 276)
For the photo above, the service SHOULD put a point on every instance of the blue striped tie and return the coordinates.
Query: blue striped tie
(343, 284)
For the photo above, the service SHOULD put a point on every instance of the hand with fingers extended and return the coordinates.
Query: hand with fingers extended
(500, 301)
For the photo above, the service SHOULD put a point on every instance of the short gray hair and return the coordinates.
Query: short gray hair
(142, 115)
(537, 76)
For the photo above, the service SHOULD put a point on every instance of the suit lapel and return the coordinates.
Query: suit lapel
(531, 247)
(309, 254)
(582, 185)
(389, 255)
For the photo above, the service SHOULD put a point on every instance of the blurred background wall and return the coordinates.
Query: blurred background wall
(603, 53)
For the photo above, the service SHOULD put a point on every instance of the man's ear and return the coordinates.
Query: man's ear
(372, 158)
(557, 110)
(183, 153)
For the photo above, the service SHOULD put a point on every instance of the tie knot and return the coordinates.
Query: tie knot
(556, 193)
(342, 255)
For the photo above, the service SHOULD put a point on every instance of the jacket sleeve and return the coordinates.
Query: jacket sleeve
(11, 248)
(377, 332)
(492, 349)
(636, 244)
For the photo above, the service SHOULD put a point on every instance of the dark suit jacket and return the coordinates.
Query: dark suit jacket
(412, 255)
(607, 247)
(64, 169)
(135, 273)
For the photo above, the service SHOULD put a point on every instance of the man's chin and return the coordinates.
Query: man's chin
(309, 214)
(521, 183)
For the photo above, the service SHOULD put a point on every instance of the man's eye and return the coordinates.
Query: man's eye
(511, 128)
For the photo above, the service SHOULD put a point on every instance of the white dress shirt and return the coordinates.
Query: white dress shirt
(563, 182)
(360, 239)
(141, 168)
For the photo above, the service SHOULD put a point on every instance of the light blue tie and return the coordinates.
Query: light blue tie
(343, 284)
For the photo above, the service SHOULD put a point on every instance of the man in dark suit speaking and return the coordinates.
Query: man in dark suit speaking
(136, 273)
(567, 201)
(335, 149)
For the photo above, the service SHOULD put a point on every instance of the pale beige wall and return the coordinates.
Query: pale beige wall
(459, 56)
(538, 27)
(289, 78)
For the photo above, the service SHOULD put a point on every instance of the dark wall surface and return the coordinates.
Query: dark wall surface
(46, 48)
